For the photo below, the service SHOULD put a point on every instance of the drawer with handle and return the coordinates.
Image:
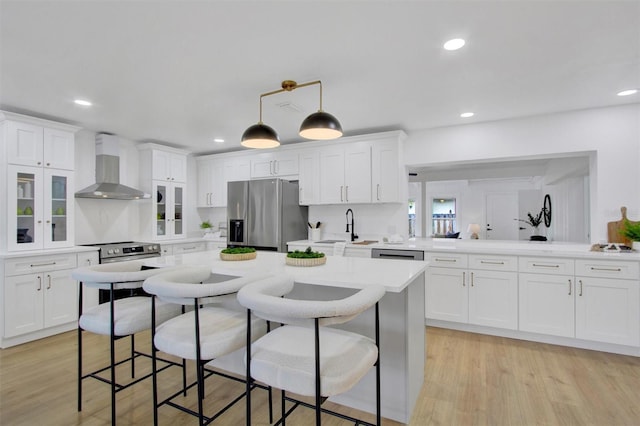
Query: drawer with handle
(547, 265)
(447, 260)
(33, 264)
(493, 262)
(608, 269)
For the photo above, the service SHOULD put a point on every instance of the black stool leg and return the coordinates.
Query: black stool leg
(199, 367)
(318, 396)
(154, 361)
(283, 408)
(113, 358)
(133, 358)
(79, 347)
(378, 414)
(248, 375)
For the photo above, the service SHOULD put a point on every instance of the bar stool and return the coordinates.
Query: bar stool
(212, 329)
(117, 318)
(305, 356)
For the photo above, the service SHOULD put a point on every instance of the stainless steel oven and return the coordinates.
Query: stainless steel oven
(121, 252)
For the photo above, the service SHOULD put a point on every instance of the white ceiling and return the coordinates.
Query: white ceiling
(184, 72)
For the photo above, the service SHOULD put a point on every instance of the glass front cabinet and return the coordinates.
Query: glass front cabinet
(40, 208)
(168, 210)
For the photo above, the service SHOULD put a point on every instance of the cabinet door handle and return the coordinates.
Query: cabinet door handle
(276, 167)
(39, 162)
(39, 283)
(538, 265)
(341, 188)
(346, 193)
(607, 269)
(491, 263)
(437, 259)
(464, 279)
(88, 261)
(48, 164)
(472, 279)
(49, 281)
(580, 294)
(378, 192)
(33, 265)
(189, 248)
(569, 287)
(48, 221)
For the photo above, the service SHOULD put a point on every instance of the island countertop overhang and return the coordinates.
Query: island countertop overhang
(344, 272)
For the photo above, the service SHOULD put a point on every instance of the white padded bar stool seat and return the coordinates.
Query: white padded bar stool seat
(132, 315)
(222, 331)
(284, 358)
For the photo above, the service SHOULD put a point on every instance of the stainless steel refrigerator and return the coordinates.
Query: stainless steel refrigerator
(265, 214)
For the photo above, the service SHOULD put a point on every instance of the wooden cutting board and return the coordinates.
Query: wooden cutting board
(614, 228)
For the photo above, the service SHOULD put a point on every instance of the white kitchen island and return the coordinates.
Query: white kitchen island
(402, 333)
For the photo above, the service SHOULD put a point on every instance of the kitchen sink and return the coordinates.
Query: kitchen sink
(330, 241)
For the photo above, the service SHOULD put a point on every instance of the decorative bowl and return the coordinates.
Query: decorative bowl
(238, 256)
(299, 261)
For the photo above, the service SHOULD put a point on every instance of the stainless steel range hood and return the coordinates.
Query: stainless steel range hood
(108, 186)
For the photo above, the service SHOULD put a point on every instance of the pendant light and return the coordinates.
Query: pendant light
(318, 126)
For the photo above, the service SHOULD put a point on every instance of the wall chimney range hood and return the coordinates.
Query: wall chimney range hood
(108, 186)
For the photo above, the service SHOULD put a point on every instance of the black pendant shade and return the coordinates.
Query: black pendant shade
(260, 136)
(320, 126)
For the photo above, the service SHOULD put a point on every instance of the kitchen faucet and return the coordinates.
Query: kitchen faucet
(353, 235)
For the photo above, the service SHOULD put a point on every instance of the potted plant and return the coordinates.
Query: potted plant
(206, 226)
(238, 253)
(306, 258)
(631, 230)
(534, 222)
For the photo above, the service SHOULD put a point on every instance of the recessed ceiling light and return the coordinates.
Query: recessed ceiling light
(466, 114)
(82, 102)
(454, 44)
(628, 92)
(218, 140)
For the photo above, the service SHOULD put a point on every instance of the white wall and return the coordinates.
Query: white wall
(99, 221)
(613, 133)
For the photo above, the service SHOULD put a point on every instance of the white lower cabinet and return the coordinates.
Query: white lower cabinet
(189, 247)
(608, 301)
(169, 249)
(547, 304)
(45, 297)
(474, 289)
(39, 296)
(601, 302)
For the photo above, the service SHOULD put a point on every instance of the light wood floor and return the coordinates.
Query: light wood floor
(470, 379)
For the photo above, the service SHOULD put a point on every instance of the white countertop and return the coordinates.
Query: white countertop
(48, 252)
(344, 272)
(514, 248)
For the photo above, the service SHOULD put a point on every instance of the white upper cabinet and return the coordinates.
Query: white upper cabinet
(33, 145)
(360, 169)
(309, 177)
(345, 174)
(213, 176)
(272, 164)
(36, 162)
(169, 166)
(385, 172)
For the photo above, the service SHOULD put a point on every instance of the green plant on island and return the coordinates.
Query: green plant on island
(307, 254)
(631, 230)
(533, 221)
(206, 225)
(238, 250)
